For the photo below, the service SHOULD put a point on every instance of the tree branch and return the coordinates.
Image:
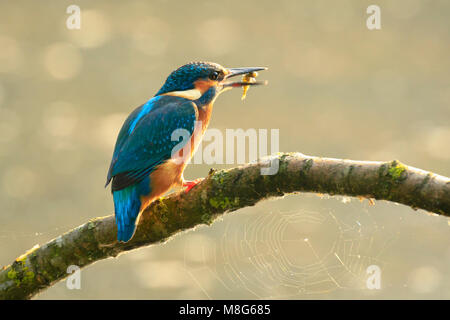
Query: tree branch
(220, 192)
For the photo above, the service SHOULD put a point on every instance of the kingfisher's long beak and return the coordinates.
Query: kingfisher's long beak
(233, 72)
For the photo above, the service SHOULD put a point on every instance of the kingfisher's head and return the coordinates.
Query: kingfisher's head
(204, 81)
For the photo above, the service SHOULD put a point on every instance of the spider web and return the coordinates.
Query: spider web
(287, 254)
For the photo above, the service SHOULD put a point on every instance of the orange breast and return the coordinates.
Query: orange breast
(169, 174)
(204, 116)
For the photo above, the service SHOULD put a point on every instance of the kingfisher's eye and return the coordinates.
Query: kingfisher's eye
(214, 75)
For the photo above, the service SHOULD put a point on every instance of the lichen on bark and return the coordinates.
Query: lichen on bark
(223, 191)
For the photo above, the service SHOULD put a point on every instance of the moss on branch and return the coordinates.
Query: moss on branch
(223, 191)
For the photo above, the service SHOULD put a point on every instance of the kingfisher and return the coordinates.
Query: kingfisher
(148, 161)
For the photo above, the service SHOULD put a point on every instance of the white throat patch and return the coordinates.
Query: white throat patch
(192, 94)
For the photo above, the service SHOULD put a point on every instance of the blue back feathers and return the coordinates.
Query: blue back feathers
(143, 110)
(144, 142)
(145, 138)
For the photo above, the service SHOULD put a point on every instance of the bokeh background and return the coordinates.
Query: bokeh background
(335, 89)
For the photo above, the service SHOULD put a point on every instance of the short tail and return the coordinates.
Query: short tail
(127, 205)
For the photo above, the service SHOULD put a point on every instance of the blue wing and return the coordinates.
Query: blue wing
(145, 138)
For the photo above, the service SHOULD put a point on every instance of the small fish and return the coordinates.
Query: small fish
(249, 78)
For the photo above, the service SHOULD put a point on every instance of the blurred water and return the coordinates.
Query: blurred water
(336, 89)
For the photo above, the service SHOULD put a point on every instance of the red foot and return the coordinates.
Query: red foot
(190, 184)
